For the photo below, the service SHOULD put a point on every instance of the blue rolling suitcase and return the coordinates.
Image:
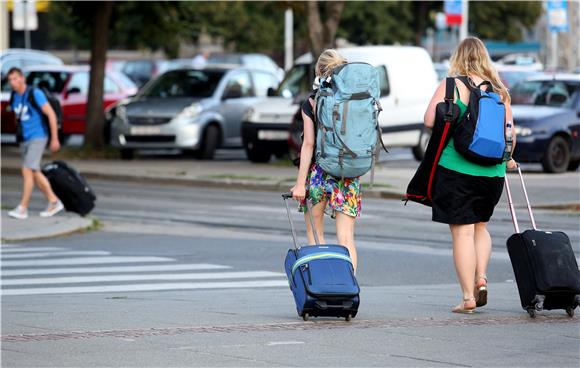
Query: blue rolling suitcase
(321, 277)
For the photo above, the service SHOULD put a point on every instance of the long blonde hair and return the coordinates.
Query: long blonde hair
(471, 58)
(328, 60)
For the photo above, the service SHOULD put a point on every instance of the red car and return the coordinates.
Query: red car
(71, 85)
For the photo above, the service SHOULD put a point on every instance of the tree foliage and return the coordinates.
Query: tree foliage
(503, 20)
(377, 22)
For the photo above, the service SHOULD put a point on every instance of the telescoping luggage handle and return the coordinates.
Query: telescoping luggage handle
(511, 204)
(286, 196)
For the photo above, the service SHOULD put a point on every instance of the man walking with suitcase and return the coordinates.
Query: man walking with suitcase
(33, 135)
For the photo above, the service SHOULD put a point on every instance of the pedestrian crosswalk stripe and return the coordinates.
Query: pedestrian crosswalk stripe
(56, 254)
(30, 249)
(117, 269)
(146, 287)
(150, 277)
(83, 260)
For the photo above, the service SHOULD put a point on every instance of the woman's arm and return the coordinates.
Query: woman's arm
(511, 164)
(438, 96)
(306, 153)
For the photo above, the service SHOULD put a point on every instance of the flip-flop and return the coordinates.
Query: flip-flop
(481, 292)
(461, 307)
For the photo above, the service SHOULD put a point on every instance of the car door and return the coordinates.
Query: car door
(74, 108)
(237, 96)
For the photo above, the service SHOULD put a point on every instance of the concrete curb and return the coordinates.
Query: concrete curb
(271, 186)
(58, 226)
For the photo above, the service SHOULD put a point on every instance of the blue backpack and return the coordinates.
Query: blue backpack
(347, 110)
(480, 135)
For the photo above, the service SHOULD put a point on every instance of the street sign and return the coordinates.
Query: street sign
(452, 9)
(558, 16)
(24, 16)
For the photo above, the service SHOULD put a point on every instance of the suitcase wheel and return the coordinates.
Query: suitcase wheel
(532, 312)
(570, 311)
(305, 316)
(348, 318)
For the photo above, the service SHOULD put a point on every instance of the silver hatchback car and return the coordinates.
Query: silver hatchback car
(190, 109)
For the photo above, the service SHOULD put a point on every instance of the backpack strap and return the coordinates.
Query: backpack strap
(32, 100)
(449, 97)
(11, 99)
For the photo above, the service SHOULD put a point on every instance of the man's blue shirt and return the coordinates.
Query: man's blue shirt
(31, 119)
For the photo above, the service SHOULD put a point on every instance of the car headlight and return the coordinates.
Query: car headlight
(190, 111)
(523, 131)
(249, 115)
(121, 112)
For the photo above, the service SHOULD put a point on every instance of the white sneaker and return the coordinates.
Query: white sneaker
(52, 209)
(19, 212)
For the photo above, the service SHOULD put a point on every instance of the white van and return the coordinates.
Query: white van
(408, 80)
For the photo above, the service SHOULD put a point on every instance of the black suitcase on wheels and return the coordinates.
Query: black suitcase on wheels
(70, 187)
(544, 265)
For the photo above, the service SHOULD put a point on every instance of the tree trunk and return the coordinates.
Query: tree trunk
(321, 33)
(94, 137)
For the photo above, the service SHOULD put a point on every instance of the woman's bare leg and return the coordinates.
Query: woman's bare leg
(345, 235)
(464, 257)
(318, 213)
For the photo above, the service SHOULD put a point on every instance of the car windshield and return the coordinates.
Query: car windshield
(543, 93)
(295, 82)
(54, 81)
(184, 83)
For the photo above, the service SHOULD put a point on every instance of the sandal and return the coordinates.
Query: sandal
(462, 308)
(481, 291)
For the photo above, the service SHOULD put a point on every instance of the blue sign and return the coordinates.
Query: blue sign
(452, 7)
(558, 15)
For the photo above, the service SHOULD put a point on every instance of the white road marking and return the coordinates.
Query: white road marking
(56, 254)
(146, 287)
(276, 343)
(120, 269)
(150, 277)
(30, 249)
(83, 260)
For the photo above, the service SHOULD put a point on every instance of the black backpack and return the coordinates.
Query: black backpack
(54, 103)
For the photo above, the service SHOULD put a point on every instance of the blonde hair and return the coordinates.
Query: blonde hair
(471, 58)
(327, 61)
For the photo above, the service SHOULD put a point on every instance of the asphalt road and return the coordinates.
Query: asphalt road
(193, 277)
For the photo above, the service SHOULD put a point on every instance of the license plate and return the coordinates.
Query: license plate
(273, 135)
(145, 130)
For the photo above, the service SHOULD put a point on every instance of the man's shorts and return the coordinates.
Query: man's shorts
(32, 151)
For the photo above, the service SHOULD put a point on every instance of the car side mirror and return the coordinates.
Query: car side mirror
(271, 92)
(72, 91)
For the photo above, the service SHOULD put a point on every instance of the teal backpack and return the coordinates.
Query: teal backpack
(347, 111)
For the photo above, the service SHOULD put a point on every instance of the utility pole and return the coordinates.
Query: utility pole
(5, 31)
(26, 30)
(288, 39)
(463, 30)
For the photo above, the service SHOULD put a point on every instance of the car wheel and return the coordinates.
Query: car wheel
(573, 165)
(209, 144)
(257, 153)
(557, 156)
(419, 150)
(63, 139)
(127, 153)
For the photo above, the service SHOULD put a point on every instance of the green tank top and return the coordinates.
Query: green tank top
(453, 160)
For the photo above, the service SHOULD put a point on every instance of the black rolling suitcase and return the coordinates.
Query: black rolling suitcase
(70, 187)
(544, 265)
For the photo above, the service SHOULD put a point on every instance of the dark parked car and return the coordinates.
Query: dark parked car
(142, 71)
(547, 117)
